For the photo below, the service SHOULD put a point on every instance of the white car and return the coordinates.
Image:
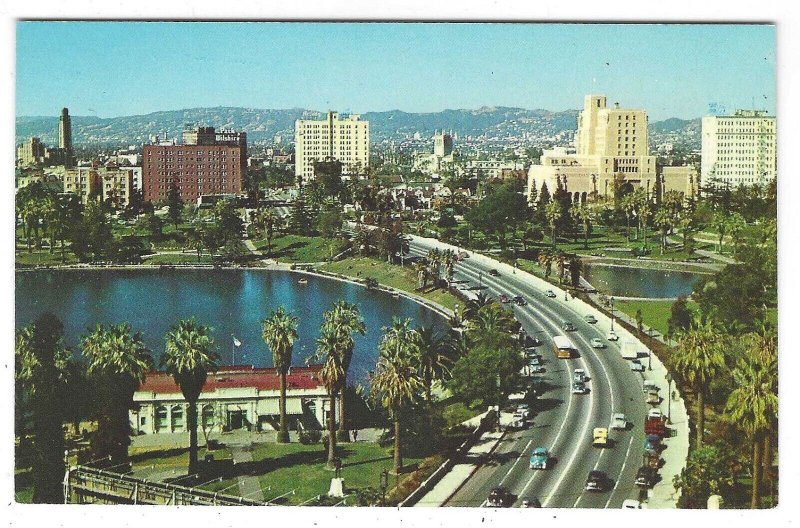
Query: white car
(525, 409)
(597, 343)
(655, 413)
(579, 375)
(632, 504)
(619, 422)
(636, 365)
(518, 420)
(550, 293)
(590, 319)
(612, 336)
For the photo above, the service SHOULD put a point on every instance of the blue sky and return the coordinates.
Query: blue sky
(111, 69)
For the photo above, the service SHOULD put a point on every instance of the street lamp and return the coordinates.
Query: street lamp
(499, 397)
(669, 398)
(611, 302)
(384, 485)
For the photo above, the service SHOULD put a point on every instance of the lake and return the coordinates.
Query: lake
(232, 302)
(640, 282)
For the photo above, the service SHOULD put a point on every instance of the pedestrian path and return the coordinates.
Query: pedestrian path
(249, 485)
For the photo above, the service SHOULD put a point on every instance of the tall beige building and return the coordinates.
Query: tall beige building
(739, 149)
(106, 183)
(611, 148)
(346, 140)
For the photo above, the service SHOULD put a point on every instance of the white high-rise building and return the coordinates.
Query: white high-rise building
(739, 149)
(345, 140)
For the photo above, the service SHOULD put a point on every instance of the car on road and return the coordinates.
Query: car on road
(537, 369)
(519, 301)
(539, 458)
(550, 293)
(504, 298)
(518, 420)
(525, 409)
(631, 504)
(590, 319)
(612, 336)
(636, 365)
(567, 326)
(655, 413)
(597, 343)
(646, 477)
(531, 352)
(494, 273)
(531, 502)
(463, 255)
(500, 497)
(619, 422)
(534, 359)
(579, 387)
(579, 375)
(600, 437)
(597, 481)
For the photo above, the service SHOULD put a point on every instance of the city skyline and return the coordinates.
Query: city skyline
(532, 66)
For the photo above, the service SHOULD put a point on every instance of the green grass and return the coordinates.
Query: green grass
(168, 457)
(655, 314)
(184, 258)
(43, 257)
(401, 278)
(296, 248)
(298, 467)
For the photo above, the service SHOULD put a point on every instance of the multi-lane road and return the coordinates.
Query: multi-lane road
(563, 422)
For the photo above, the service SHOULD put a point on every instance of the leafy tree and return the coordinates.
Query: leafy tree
(474, 376)
(328, 175)
(639, 320)
(154, 226)
(279, 331)
(329, 222)
(720, 223)
(188, 357)
(91, 236)
(706, 473)
(65, 213)
(586, 216)
(499, 213)
(575, 267)
(41, 368)
(174, 203)
(680, 319)
(301, 220)
(734, 296)
(228, 220)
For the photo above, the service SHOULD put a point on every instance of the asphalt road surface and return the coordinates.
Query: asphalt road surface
(562, 421)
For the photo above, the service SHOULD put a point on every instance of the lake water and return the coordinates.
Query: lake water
(639, 282)
(232, 302)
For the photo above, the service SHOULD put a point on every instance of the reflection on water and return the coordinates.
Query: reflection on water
(232, 302)
(639, 282)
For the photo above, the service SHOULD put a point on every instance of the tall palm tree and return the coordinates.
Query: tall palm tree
(663, 220)
(396, 382)
(553, 213)
(752, 406)
(586, 215)
(345, 321)
(473, 306)
(698, 359)
(118, 362)
(628, 205)
(279, 331)
(433, 358)
(188, 357)
(332, 374)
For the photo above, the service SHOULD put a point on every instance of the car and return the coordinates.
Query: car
(500, 497)
(579, 375)
(540, 458)
(636, 365)
(619, 422)
(463, 255)
(518, 420)
(567, 326)
(533, 341)
(631, 504)
(590, 319)
(649, 385)
(525, 409)
(646, 477)
(579, 387)
(534, 360)
(531, 502)
(538, 369)
(612, 336)
(652, 443)
(550, 293)
(600, 437)
(652, 397)
(504, 298)
(494, 273)
(596, 481)
(655, 413)
(519, 301)
(597, 343)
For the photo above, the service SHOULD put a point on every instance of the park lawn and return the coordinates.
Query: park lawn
(401, 278)
(43, 257)
(168, 457)
(655, 314)
(297, 248)
(183, 258)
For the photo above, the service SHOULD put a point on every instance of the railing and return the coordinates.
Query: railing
(83, 484)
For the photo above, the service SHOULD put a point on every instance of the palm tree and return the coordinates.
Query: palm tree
(279, 331)
(753, 406)
(433, 358)
(586, 215)
(720, 223)
(642, 207)
(663, 220)
(118, 362)
(345, 320)
(473, 306)
(188, 357)
(698, 359)
(396, 382)
(628, 206)
(552, 212)
(736, 226)
(332, 374)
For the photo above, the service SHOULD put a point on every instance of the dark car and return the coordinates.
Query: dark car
(567, 326)
(597, 481)
(519, 301)
(531, 502)
(494, 273)
(646, 477)
(500, 497)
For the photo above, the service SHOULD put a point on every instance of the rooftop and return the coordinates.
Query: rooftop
(239, 376)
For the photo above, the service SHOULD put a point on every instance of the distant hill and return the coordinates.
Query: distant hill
(264, 124)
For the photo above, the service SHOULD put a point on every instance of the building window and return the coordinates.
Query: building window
(161, 418)
(177, 418)
(208, 416)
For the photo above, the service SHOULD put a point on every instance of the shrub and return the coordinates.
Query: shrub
(310, 436)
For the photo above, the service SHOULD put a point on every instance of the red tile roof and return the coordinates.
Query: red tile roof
(239, 377)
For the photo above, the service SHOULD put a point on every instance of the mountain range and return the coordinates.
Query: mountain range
(265, 124)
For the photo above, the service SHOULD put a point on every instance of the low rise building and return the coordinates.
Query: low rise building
(109, 183)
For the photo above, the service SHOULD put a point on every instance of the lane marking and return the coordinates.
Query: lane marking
(625, 462)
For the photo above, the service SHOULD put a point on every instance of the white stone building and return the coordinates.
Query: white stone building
(345, 140)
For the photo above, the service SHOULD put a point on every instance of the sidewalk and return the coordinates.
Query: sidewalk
(463, 470)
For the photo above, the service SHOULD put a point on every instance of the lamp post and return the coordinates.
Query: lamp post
(499, 397)
(384, 485)
(611, 302)
(669, 398)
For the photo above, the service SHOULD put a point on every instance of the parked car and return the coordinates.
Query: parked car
(579, 387)
(539, 458)
(518, 420)
(597, 481)
(525, 409)
(612, 336)
(636, 365)
(550, 293)
(648, 385)
(619, 422)
(463, 255)
(504, 298)
(651, 443)
(579, 375)
(652, 397)
(500, 497)
(567, 326)
(519, 301)
(597, 343)
(655, 413)
(537, 369)
(534, 360)
(590, 319)
(494, 273)
(631, 504)
(646, 477)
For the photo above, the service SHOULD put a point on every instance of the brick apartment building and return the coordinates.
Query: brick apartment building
(208, 162)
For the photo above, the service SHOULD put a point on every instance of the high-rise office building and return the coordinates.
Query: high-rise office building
(739, 149)
(208, 162)
(345, 140)
(442, 144)
(65, 136)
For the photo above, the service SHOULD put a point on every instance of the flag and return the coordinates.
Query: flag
(236, 342)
